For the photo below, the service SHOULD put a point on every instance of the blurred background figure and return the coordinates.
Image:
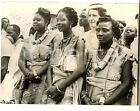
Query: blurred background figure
(6, 47)
(130, 34)
(94, 12)
(4, 24)
(83, 20)
(122, 25)
(137, 17)
(7, 86)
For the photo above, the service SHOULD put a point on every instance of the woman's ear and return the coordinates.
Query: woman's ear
(46, 26)
(47, 23)
(72, 23)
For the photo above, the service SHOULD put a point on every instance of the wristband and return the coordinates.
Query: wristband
(57, 88)
(102, 100)
(35, 74)
(83, 96)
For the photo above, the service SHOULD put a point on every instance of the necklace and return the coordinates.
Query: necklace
(102, 52)
(38, 41)
(65, 42)
(100, 64)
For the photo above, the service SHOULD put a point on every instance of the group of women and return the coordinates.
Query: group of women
(59, 70)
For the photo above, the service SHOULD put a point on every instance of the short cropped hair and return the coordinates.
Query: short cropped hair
(122, 22)
(16, 28)
(6, 18)
(115, 25)
(71, 15)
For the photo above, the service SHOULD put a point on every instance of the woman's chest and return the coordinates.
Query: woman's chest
(37, 52)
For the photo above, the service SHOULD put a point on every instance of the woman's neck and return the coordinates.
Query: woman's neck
(67, 34)
(106, 46)
(40, 33)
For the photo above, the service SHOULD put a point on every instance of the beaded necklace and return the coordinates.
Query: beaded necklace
(38, 41)
(65, 42)
(100, 64)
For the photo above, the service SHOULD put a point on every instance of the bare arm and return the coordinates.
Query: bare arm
(22, 61)
(80, 68)
(43, 69)
(124, 87)
(56, 42)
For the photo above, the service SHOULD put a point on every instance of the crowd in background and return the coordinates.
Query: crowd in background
(96, 65)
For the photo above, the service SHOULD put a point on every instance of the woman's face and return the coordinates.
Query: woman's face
(5, 23)
(104, 32)
(63, 22)
(39, 22)
(93, 17)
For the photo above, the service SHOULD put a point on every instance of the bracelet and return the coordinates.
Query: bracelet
(83, 96)
(35, 74)
(57, 88)
(102, 100)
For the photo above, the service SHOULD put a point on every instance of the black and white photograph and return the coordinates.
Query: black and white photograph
(69, 53)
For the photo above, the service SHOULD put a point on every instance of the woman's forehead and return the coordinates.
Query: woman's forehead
(93, 11)
(37, 15)
(105, 24)
(61, 14)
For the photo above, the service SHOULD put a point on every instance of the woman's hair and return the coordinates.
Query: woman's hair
(6, 18)
(101, 11)
(115, 25)
(122, 22)
(71, 15)
(45, 13)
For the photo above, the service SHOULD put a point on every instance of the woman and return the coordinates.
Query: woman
(93, 15)
(69, 67)
(35, 56)
(109, 75)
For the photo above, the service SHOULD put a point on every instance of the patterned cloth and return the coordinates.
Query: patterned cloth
(66, 63)
(105, 81)
(37, 53)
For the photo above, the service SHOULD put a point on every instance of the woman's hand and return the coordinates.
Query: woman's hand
(87, 100)
(31, 76)
(52, 91)
(84, 98)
